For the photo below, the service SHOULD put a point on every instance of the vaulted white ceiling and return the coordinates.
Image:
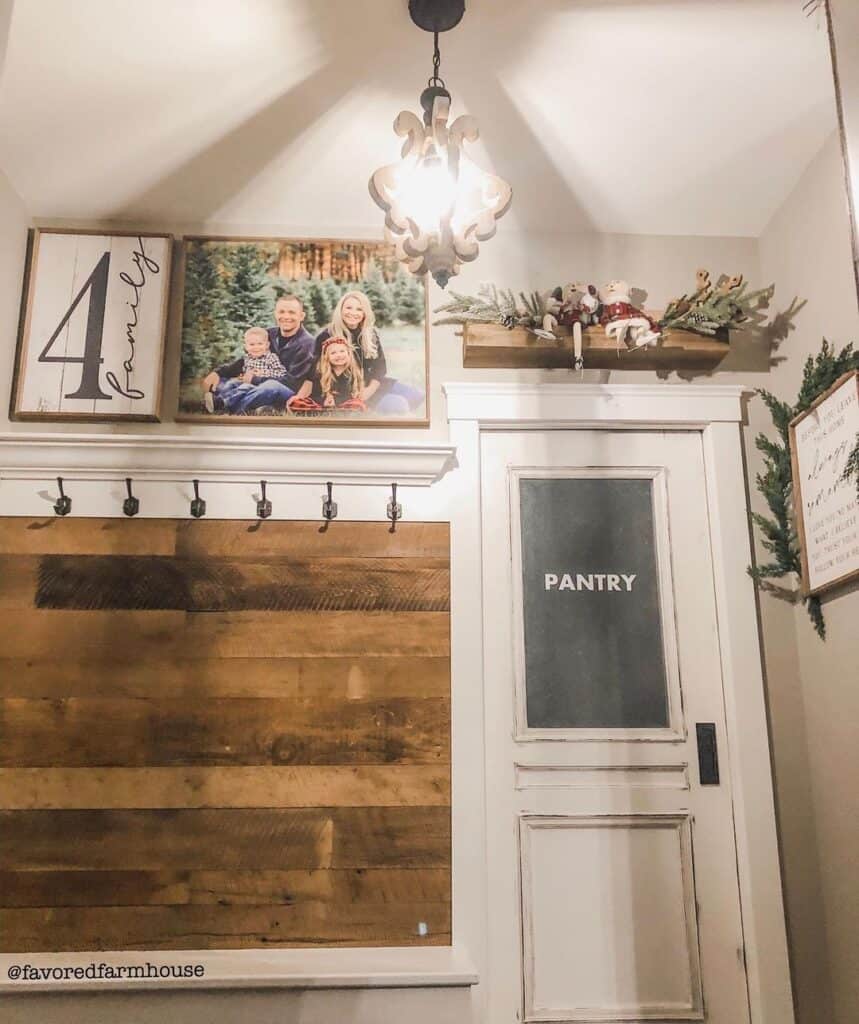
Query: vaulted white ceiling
(672, 117)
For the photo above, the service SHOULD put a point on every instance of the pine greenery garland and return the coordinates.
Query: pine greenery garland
(715, 310)
(776, 481)
(708, 311)
(494, 305)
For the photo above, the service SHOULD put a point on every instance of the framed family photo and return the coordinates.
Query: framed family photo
(94, 317)
(301, 332)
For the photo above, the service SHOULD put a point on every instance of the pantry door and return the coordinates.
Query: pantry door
(612, 868)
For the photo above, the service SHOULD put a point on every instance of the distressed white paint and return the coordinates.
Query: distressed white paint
(675, 458)
(610, 924)
(583, 776)
(485, 409)
(131, 340)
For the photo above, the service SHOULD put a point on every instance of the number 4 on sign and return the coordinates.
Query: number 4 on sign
(96, 283)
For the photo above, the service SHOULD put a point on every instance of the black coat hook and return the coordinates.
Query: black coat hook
(63, 504)
(131, 505)
(263, 506)
(198, 506)
(329, 507)
(395, 510)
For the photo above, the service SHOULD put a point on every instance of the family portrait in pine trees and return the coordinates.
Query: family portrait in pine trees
(301, 332)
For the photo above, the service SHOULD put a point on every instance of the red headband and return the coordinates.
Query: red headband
(334, 341)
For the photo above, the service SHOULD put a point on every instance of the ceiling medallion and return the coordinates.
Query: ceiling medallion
(438, 204)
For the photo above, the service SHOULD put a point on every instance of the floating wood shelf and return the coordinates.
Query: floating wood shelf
(491, 345)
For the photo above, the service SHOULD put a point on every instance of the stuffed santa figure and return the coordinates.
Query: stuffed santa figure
(623, 321)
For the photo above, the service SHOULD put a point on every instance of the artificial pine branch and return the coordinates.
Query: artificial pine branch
(708, 312)
(492, 305)
(775, 483)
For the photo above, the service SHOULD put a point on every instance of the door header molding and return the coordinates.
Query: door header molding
(688, 406)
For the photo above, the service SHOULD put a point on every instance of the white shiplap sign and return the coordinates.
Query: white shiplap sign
(827, 509)
(93, 333)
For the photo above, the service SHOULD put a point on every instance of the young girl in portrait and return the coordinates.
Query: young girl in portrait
(337, 381)
(354, 320)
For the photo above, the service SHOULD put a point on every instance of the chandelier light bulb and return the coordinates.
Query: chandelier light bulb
(428, 192)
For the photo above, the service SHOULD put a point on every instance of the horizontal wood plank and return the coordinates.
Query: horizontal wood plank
(351, 678)
(223, 888)
(223, 538)
(223, 734)
(302, 786)
(54, 536)
(80, 732)
(208, 927)
(159, 634)
(247, 839)
(91, 582)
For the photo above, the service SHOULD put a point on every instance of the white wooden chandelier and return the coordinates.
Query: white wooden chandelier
(438, 205)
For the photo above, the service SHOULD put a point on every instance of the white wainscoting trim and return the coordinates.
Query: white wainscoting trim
(402, 967)
(32, 456)
(589, 405)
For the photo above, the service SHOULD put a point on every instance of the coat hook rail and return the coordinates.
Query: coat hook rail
(63, 504)
(329, 506)
(394, 510)
(263, 505)
(198, 505)
(131, 505)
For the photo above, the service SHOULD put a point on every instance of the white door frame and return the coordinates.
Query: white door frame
(715, 412)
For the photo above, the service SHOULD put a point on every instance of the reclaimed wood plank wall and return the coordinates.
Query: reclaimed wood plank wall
(223, 735)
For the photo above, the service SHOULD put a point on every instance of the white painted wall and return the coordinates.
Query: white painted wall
(813, 691)
(662, 265)
(13, 246)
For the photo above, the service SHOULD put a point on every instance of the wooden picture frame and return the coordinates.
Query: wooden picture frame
(93, 325)
(216, 314)
(826, 505)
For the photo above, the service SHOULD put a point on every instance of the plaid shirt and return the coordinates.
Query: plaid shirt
(263, 366)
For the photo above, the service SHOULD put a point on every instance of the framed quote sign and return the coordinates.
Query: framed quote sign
(92, 332)
(827, 510)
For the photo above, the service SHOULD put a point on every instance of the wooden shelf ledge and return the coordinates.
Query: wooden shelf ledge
(220, 457)
(491, 345)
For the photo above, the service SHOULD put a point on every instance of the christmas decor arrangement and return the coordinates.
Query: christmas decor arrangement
(775, 483)
(608, 319)
(711, 309)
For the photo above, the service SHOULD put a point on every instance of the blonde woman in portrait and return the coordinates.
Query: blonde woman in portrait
(353, 319)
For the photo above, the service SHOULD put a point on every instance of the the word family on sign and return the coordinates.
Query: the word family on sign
(94, 323)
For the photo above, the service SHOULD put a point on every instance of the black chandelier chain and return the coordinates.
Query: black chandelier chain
(435, 79)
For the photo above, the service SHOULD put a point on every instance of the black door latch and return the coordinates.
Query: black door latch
(708, 754)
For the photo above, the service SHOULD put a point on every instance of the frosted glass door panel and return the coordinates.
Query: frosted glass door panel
(594, 655)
